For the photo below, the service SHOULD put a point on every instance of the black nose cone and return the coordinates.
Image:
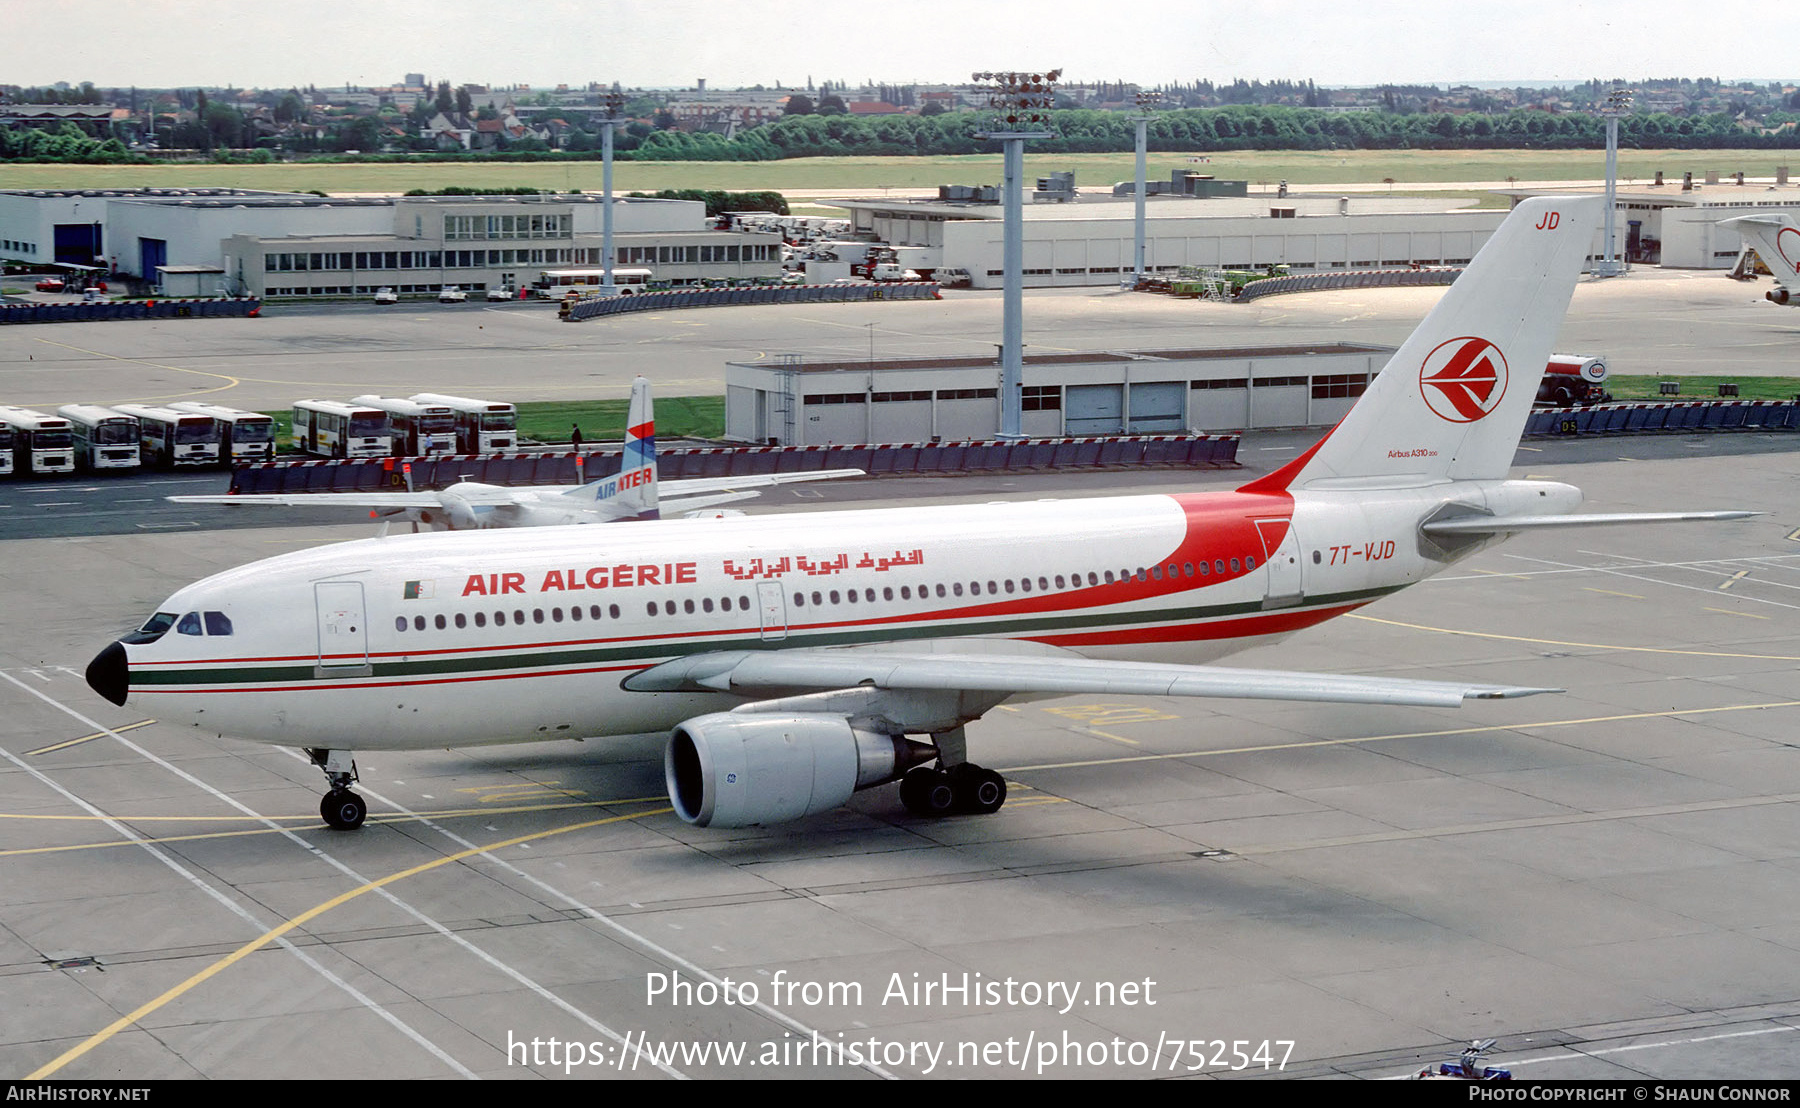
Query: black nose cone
(109, 674)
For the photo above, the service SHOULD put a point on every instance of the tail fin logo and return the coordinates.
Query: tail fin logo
(1789, 240)
(1463, 379)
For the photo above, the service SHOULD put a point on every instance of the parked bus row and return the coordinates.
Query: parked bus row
(94, 437)
(420, 425)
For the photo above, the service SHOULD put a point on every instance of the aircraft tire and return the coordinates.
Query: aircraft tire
(343, 810)
(927, 792)
(978, 791)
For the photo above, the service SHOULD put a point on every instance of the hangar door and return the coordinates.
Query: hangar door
(1158, 407)
(1093, 409)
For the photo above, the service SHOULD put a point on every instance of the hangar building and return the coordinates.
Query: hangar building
(300, 244)
(789, 402)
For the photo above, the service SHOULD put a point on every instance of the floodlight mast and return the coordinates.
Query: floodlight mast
(1146, 106)
(1024, 101)
(1618, 103)
(614, 104)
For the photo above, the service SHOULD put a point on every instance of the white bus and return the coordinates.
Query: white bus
(559, 284)
(41, 443)
(172, 438)
(416, 429)
(104, 439)
(338, 430)
(243, 436)
(6, 449)
(482, 426)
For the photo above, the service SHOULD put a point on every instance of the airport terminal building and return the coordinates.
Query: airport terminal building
(1089, 239)
(267, 244)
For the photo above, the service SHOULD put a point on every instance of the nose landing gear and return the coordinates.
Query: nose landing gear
(341, 809)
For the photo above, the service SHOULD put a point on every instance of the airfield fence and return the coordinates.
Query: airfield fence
(1348, 279)
(756, 294)
(1693, 415)
(210, 308)
(880, 460)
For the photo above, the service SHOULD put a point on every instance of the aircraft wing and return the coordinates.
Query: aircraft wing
(717, 484)
(317, 499)
(755, 673)
(1495, 525)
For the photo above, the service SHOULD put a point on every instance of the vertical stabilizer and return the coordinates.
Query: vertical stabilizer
(630, 493)
(1776, 241)
(1452, 402)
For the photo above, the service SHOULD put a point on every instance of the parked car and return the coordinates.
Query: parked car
(50, 284)
(450, 294)
(502, 293)
(385, 295)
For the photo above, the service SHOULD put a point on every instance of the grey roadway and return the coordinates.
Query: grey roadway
(1651, 322)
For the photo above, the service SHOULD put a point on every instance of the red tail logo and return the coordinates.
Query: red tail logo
(1463, 379)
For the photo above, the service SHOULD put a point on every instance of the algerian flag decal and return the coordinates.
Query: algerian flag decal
(418, 590)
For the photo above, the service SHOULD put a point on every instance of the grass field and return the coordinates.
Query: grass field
(1704, 388)
(1367, 167)
(701, 417)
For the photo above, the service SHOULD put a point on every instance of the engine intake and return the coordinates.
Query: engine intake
(726, 770)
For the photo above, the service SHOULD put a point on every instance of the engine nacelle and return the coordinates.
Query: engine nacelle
(728, 770)
(1778, 294)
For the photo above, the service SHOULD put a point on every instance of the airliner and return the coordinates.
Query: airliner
(790, 660)
(634, 493)
(1777, 242)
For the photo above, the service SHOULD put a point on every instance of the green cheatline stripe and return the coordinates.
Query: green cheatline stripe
(644, 652)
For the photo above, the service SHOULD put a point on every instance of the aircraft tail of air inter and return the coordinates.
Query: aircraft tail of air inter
(1776, 241)
(1452, 402)
(632, 491)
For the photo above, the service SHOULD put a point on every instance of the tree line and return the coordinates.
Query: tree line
(1072, 131)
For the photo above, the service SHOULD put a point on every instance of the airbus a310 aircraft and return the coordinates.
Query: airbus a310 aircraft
(798, 658)
(634, 493)
(1777, 242)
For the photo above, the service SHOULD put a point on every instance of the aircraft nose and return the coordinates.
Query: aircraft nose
(109, 674)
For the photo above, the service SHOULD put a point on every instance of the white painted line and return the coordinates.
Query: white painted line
(347, 871)
(657, 949)
(236, 908)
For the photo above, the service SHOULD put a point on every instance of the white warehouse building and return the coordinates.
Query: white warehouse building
(788, 402)
(1091, 241)
(299, 244)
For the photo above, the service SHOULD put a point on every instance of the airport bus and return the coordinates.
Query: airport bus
(243, 436)
(104, 439)
(559, 284)
(482, 426)
(40, 443)
(172, 438)
(6, 449)
(338, 430)
(415, 429)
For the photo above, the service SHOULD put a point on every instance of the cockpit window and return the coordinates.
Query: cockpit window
(218, 623)
(189, 625)
(154, 628)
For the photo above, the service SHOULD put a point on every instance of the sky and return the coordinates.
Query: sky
(733, 43)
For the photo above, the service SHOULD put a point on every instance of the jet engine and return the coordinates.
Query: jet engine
(1778, 294)
(731, 770)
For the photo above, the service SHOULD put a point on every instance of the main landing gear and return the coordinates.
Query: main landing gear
(956, 787)
(342, 810)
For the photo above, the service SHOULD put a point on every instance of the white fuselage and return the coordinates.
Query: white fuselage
(437, 640)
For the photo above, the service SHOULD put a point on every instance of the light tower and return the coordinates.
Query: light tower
(1618, 103)
(1024, 101)
(1146, 105)
(614, 104)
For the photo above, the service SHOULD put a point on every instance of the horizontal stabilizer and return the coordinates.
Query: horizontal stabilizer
(759, 672)
(1495, 525)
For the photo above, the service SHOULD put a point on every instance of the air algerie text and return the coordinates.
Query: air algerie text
(590, 577)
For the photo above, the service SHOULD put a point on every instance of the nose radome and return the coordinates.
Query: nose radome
(109, 674)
